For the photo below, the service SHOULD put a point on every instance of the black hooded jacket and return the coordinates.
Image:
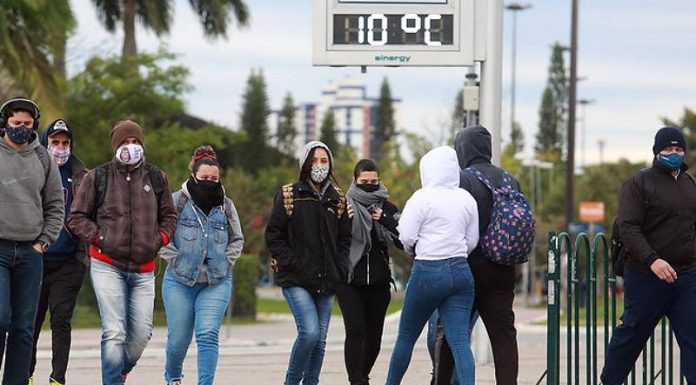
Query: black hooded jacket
(657, 217)
(473, 146)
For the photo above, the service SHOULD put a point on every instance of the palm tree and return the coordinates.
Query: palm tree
(33, 37)
(156, 15)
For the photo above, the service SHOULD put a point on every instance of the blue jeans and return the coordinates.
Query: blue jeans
(126, 301)
(646, 300)
(200, 308)
(21, 269)
(448, 286)
(431, 339)
(312, 314)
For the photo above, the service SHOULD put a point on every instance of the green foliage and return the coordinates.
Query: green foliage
(552, 112)
(253, 123)
(246, 273)
(385, 125)
(327, 133)
(687, 123)
(286, 127)
(517, 138)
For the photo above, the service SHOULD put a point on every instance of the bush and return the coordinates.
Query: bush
(245, 275)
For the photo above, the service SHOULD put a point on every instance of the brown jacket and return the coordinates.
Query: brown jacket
(127, 226)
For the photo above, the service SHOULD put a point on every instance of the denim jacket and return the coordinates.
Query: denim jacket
(215, 238)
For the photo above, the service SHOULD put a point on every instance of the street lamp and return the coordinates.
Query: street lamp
(584, 103)
(514, 7)
(572, 94)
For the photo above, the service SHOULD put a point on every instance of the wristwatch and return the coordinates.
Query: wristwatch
(44, 245)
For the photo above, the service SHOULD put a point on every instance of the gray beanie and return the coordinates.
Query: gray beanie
(308, 148)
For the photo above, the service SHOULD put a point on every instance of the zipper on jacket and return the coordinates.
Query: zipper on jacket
(130, 214)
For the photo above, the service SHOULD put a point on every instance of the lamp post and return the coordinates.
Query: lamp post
(514, 8)
(601, 144)
(572, 96)
(583, 103)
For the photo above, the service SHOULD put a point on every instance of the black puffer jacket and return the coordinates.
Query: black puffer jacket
(373, 269)
(311, 246)
(657, 213)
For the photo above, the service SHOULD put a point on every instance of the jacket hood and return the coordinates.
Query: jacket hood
(309, 147)
(439, 168)
(473, 146)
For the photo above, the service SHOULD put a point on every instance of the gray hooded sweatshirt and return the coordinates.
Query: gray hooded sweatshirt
(31, 199)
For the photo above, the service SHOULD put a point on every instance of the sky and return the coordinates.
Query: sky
(636, 58)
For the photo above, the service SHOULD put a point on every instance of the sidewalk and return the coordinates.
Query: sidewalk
(258, 354)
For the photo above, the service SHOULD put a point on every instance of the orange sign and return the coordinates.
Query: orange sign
(591, 211)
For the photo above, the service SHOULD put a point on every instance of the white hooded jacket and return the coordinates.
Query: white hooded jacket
(440, 220)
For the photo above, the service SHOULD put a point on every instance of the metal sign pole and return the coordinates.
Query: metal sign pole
(492, 75)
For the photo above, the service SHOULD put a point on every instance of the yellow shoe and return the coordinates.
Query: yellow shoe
(31, 381)
(51, 382)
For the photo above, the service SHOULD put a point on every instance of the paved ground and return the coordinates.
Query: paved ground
(258, 354)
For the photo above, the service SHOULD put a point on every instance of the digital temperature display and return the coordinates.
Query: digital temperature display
(393, 29)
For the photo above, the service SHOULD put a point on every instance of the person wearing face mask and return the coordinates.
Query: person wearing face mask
(31, 218)
(308, 237)
(197, 284)
(657, 213)
(65, 261)
(365, 295)
(124, 211)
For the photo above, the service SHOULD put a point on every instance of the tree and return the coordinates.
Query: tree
(552, 112)
(254, 123)
(32, 51)
(328, 131)
(385, 126)
(517, 138)
(687, 123)
(286, 127)
(457, 115)
(156, 15)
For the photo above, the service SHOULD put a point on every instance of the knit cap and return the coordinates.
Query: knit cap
(126, 129)
(667, 137)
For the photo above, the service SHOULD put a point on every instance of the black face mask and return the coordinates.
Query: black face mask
(368, 187)
(206, 194)
(19, 134)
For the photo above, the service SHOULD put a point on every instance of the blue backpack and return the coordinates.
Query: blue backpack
(509, 237)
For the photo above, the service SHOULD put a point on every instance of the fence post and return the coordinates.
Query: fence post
(553, 331)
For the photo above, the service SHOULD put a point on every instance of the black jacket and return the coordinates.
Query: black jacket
(373, 269)
(312, 245)
(473, 146)
(657, 214)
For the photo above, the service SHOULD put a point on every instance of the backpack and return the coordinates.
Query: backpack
(43, 156)
(509, 237)
(101, 181)
(618, 252)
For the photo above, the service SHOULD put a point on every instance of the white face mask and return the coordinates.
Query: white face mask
(319, 172)
(60, 154)
(130, 154)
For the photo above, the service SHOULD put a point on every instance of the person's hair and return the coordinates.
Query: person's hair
(365, 165)
(204, 155)
(306, 169)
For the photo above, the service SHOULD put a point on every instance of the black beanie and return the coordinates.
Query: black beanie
(668, 136)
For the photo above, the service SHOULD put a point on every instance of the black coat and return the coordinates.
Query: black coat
(311, 246)
(373, 269)
(657, 214)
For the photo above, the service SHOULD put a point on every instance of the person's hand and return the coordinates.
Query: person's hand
(351, 211)
(663, 270)
(377, 213)
(37, 246)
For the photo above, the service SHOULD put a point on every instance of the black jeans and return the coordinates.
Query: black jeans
(495, 292)
(62, 281)
(363, 308)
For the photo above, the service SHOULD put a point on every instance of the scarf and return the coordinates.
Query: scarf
(205, 195)
(362, 223)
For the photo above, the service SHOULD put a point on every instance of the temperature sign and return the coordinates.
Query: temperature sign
(392, 32)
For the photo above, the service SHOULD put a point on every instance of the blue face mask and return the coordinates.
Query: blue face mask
(19, 134)
(672, 161)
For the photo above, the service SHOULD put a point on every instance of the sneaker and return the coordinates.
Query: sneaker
(51, 381)
(31, 381)
(176, 381)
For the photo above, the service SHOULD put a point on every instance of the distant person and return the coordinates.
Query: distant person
(308, 236)
(365, 297)
(657, 213)
(439, 225)
(65, 262)
(124, 210)
(494, 282)
(197, 284)
(31, 217)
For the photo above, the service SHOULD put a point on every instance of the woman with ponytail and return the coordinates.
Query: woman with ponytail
(198, 280)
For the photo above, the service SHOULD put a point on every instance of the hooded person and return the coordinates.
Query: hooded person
(439, 225)
(495, 283)
(65, 261)
(32, 218)
(308, 237)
